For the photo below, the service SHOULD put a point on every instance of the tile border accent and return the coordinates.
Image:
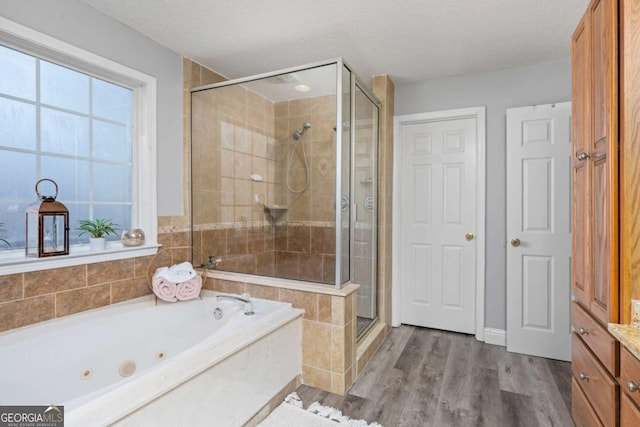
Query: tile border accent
(297, 285)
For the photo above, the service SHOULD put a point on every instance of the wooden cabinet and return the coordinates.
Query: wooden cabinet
(629, 413)
(600, 389)
(606, 211)
(595, 161)
(630, 154)
(581, 116)
(630, 383)
(598, 199)
(581, 410)
(630, 375)
(596, 337)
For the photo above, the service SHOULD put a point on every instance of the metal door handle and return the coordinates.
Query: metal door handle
(631, 386)
(582, 156)
(469, 236)
(515, 242)
(583, 376)
(582, 331)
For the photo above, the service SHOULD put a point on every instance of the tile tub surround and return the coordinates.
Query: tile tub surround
(28, 298)
(328, 325)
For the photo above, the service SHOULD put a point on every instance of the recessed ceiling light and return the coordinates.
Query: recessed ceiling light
(302, 88)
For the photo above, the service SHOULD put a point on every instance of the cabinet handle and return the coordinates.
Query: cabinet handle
(582, 331)
(582, 156)
(631, 386)
(584, 377)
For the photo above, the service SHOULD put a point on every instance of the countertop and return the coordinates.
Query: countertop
(628, 335)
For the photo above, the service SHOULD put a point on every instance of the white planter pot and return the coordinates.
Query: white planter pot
(97, 244)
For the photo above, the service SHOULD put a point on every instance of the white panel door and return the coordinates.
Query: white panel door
(539, 230)
(438, 202)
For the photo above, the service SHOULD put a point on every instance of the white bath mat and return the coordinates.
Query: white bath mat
(291, 414)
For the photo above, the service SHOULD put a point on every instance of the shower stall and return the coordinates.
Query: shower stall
(284, 178)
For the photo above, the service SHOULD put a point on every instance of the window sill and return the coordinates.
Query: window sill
(16, 262)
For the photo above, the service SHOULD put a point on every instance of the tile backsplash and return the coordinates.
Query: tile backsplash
(28, 298)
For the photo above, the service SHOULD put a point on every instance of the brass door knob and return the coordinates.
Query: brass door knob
(469, 236)
(515, 242)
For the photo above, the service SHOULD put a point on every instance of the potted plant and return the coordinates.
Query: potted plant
(98, 229)
(2, 230)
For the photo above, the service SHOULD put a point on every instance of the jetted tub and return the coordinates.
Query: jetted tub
(142, 363)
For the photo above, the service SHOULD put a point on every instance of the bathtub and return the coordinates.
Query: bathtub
(147, 363)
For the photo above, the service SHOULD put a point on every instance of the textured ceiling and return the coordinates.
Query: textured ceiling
(411, 40)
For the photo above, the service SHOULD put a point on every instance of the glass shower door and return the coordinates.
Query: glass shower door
(365, 197)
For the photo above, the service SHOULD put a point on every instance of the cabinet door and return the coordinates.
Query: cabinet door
(580, 46)
(629, 413)
(603, 151)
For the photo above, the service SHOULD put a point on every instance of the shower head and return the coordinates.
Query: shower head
(297, 134)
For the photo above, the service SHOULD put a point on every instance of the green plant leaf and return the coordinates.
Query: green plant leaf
(98, 227)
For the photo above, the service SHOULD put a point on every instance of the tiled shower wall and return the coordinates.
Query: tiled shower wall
(232, 140)
(317, 203)
(33, 297)
(237, 134)
(290, 251)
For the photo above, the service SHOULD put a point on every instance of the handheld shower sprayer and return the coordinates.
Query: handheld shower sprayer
(297, 134)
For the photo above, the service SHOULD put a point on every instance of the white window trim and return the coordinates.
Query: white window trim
(144, 214)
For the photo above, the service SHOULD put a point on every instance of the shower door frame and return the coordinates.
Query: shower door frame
(357, 83)
(354, 79)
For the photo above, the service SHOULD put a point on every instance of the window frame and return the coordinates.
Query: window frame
(143, 137)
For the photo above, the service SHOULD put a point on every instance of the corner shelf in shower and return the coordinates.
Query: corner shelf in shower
(276, 211)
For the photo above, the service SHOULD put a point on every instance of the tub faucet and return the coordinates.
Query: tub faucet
(244, 298)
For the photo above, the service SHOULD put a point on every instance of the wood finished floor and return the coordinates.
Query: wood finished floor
(424, 377)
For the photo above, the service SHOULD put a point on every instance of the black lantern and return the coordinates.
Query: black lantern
(47, 226)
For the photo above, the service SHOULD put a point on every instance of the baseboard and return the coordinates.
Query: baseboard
(495, 336)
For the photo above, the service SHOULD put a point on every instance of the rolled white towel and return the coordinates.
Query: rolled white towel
(177, 273)
(164, 289)
(162, 272)
(189, 289)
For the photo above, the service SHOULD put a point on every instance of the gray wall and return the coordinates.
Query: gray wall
(542, 83)
(80, 25)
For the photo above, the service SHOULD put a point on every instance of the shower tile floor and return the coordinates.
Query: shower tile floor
(424, 377)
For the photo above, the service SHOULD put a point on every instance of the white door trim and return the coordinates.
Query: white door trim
(479, 113)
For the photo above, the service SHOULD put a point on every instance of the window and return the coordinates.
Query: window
(85, 122)
(67, 126)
